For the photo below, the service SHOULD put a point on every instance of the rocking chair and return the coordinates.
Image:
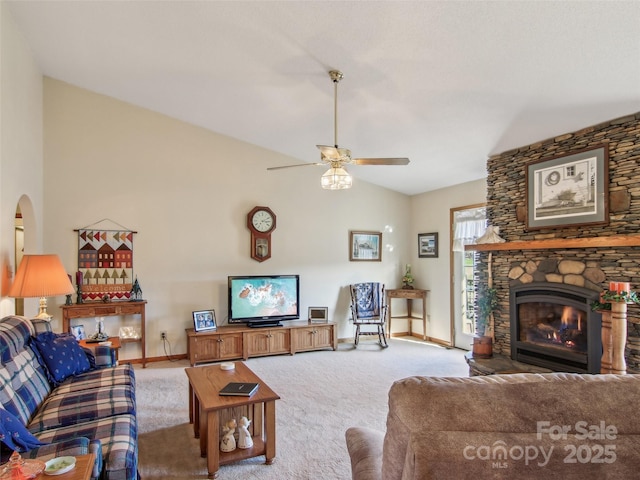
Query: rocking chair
(368, 308)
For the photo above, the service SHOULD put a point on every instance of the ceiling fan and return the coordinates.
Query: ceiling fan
(337, 178)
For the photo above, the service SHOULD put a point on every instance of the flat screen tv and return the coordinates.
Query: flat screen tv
(265, 300)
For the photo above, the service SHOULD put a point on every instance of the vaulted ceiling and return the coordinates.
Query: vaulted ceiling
(444, 83)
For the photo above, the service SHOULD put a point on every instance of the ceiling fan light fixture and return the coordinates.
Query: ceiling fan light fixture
(336, 178)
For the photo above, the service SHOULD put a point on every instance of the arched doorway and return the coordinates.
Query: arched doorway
(25, 241)
(18, 253)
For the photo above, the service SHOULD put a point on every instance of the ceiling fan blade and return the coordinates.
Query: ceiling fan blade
(380, 161)
(297, 165)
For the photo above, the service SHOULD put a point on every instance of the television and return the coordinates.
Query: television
(263, 300)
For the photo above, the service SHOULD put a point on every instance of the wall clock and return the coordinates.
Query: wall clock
(261, 221)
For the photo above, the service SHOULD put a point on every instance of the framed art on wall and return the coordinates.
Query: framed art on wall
(427, 245)
(204, 320)
(569, 190)
(365, 246)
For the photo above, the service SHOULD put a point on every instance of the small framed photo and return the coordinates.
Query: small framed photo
(318, 314)
(365, 246)
(204, 320)
(569, 190)
(78, 332)
(427, 245)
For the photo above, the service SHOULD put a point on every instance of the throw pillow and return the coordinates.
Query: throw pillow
(15, 435)
(62, 355)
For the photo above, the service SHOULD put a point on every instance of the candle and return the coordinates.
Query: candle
(78, 277)
(623, 287)
(619, 287)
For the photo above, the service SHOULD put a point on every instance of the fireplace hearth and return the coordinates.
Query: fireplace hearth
(552, 326)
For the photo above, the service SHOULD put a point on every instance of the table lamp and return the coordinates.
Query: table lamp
(41, 276)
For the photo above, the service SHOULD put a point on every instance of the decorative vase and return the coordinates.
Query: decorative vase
(482, 346)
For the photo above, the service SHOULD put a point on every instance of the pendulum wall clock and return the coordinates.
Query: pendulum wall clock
(261, 222)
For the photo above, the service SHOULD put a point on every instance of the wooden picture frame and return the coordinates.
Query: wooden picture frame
(569, 190)
(428, 245)
(204, 320)
(318, 314)
(365, 246)
(78, 332)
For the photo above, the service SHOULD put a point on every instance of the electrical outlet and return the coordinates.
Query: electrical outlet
(163, 335)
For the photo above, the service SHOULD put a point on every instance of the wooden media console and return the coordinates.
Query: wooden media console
(234, 342)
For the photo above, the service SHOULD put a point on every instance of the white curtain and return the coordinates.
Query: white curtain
(468, 230)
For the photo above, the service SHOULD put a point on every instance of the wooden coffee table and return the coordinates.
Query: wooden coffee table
(208, 411)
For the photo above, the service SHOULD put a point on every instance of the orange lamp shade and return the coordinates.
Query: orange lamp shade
(40, 276)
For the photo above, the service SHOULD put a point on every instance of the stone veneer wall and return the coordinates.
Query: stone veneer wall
(506, 208)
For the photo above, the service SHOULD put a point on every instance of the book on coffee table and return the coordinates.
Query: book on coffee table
(245, 389)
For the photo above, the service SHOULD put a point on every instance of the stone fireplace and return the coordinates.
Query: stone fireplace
(587, 257)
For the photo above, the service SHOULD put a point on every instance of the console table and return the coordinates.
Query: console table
(409, 295)
(112, 309)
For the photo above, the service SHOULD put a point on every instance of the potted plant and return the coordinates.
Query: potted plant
(407, 279)
(487, 304)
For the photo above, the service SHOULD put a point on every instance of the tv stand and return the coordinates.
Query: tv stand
(264, 324)
(231, 342)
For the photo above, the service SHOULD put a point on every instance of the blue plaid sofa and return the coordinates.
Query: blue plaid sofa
(81, 403)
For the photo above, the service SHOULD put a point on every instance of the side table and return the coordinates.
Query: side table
(115, 344)
(409, 295)
(207, 410)
(82, 470)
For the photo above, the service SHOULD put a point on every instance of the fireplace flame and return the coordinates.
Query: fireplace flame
(568, 314)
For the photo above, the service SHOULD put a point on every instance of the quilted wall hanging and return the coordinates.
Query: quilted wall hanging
(105, 262)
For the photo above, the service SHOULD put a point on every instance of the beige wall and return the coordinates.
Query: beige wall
(187, 191)
(20, 148)
(430, 213)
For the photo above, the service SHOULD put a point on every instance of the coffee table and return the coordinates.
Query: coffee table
(208, 411)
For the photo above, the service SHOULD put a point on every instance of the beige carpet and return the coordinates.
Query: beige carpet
(322, 394)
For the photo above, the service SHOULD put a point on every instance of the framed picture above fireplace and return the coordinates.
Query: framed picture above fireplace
(569, 190)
